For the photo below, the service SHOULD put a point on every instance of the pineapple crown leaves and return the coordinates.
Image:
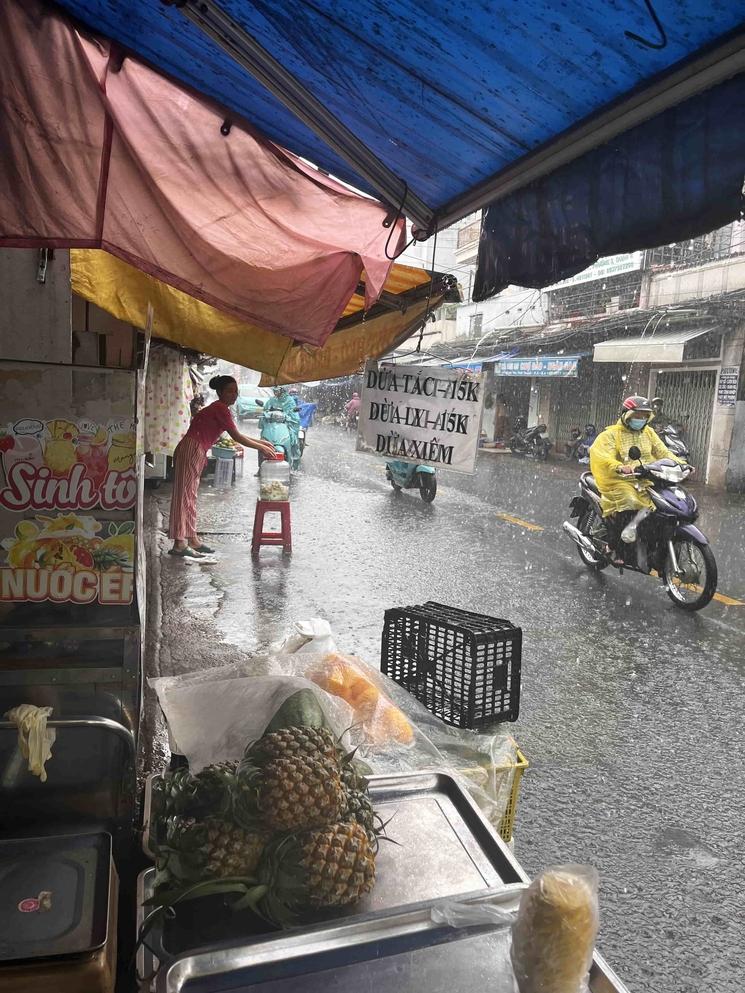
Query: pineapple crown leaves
(245, 888)
(215, 791)
(284, 877)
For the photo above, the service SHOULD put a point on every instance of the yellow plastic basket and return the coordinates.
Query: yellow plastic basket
(506, 826)
(490, 777)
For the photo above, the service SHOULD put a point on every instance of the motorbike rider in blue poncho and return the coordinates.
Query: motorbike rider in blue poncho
(280, 423)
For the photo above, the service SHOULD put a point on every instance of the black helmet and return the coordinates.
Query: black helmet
(636, 405)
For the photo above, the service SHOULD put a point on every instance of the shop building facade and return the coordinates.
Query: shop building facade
(668, 322)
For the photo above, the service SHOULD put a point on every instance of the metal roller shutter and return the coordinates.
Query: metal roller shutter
(689, 399)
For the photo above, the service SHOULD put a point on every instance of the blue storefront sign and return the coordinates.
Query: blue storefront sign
(564, 366)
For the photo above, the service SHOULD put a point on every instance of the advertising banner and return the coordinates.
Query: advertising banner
(729, 377)
(68, 488)
(427, 415)
(562, 366)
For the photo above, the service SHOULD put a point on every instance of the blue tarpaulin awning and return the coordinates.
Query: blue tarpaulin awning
(446, 107)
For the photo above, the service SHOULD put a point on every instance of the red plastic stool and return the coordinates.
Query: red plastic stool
(283, 536)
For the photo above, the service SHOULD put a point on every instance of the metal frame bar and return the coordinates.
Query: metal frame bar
(247, 52)
(99, 723)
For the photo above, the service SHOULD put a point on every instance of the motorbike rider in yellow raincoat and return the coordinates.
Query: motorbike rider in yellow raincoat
(610, 462)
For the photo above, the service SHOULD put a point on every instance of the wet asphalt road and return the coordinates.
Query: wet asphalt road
(631, 714)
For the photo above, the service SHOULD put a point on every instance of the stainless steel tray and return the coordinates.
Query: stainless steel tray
(400, 952)
(323, 958)
(445, 847)
(435, 823)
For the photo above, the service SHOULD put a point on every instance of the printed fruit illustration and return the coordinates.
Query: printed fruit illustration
(91, 453)
(117, 550)
(82, 556)
(64, 541)
(59, 456)
(122, 452)
(59, 452)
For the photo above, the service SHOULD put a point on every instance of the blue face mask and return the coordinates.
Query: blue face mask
(636, 423)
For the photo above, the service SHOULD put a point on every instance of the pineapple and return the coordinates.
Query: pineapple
(358, 809)
(231, 850)
(310, 742)
(330, 867)
(195, 851)
(296, 774)
(298, 793)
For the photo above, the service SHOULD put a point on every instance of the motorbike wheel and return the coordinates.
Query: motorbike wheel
(695, 588)
(595, 562)
(515, 449)
(427, 486)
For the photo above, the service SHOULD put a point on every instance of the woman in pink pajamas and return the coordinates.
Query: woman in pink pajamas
(190, 458)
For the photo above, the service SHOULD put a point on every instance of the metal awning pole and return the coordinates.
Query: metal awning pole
(247, 52)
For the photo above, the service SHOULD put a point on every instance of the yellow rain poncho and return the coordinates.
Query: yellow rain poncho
(611, 450)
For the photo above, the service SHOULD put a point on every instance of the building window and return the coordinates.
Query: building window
(719, 244)
(450, 311)
(600, 296)
(475, 323)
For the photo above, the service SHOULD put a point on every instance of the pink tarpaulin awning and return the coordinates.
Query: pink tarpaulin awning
(96, 152)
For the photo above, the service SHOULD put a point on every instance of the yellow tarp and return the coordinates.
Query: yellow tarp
(125, 292)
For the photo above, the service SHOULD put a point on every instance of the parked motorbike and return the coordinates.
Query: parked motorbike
(672, 437)
(579, 447)
(671, 433)
(668, 542)
(529, 443)
(410, 476)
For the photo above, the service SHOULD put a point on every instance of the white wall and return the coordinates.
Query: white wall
(35, 318)
(666, 288)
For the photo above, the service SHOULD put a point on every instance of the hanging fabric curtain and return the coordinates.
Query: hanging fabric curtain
(125, 292)
(101, 151)
(677, 176)
(168, 395)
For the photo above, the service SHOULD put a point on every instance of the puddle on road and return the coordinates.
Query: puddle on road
(677, 841)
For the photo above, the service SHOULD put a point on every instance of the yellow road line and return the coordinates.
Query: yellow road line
(519, 522)
(728, 601)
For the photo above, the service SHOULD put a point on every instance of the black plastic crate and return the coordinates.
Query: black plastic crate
(464, 667)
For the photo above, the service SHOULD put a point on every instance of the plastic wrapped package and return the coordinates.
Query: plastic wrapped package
(210, 719)
(393, 732)
(310, 637)
(213, 719)
(554, 936)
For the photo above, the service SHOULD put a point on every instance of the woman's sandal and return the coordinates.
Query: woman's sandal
(184, 553)
(204, 549)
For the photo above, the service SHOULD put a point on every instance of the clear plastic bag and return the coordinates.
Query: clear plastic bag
(212, 720)
(459, 915)
(392, 731)
(554, 936)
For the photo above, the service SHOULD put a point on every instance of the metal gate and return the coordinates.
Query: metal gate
(571, 407)
(608, 390)
(689, 399)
